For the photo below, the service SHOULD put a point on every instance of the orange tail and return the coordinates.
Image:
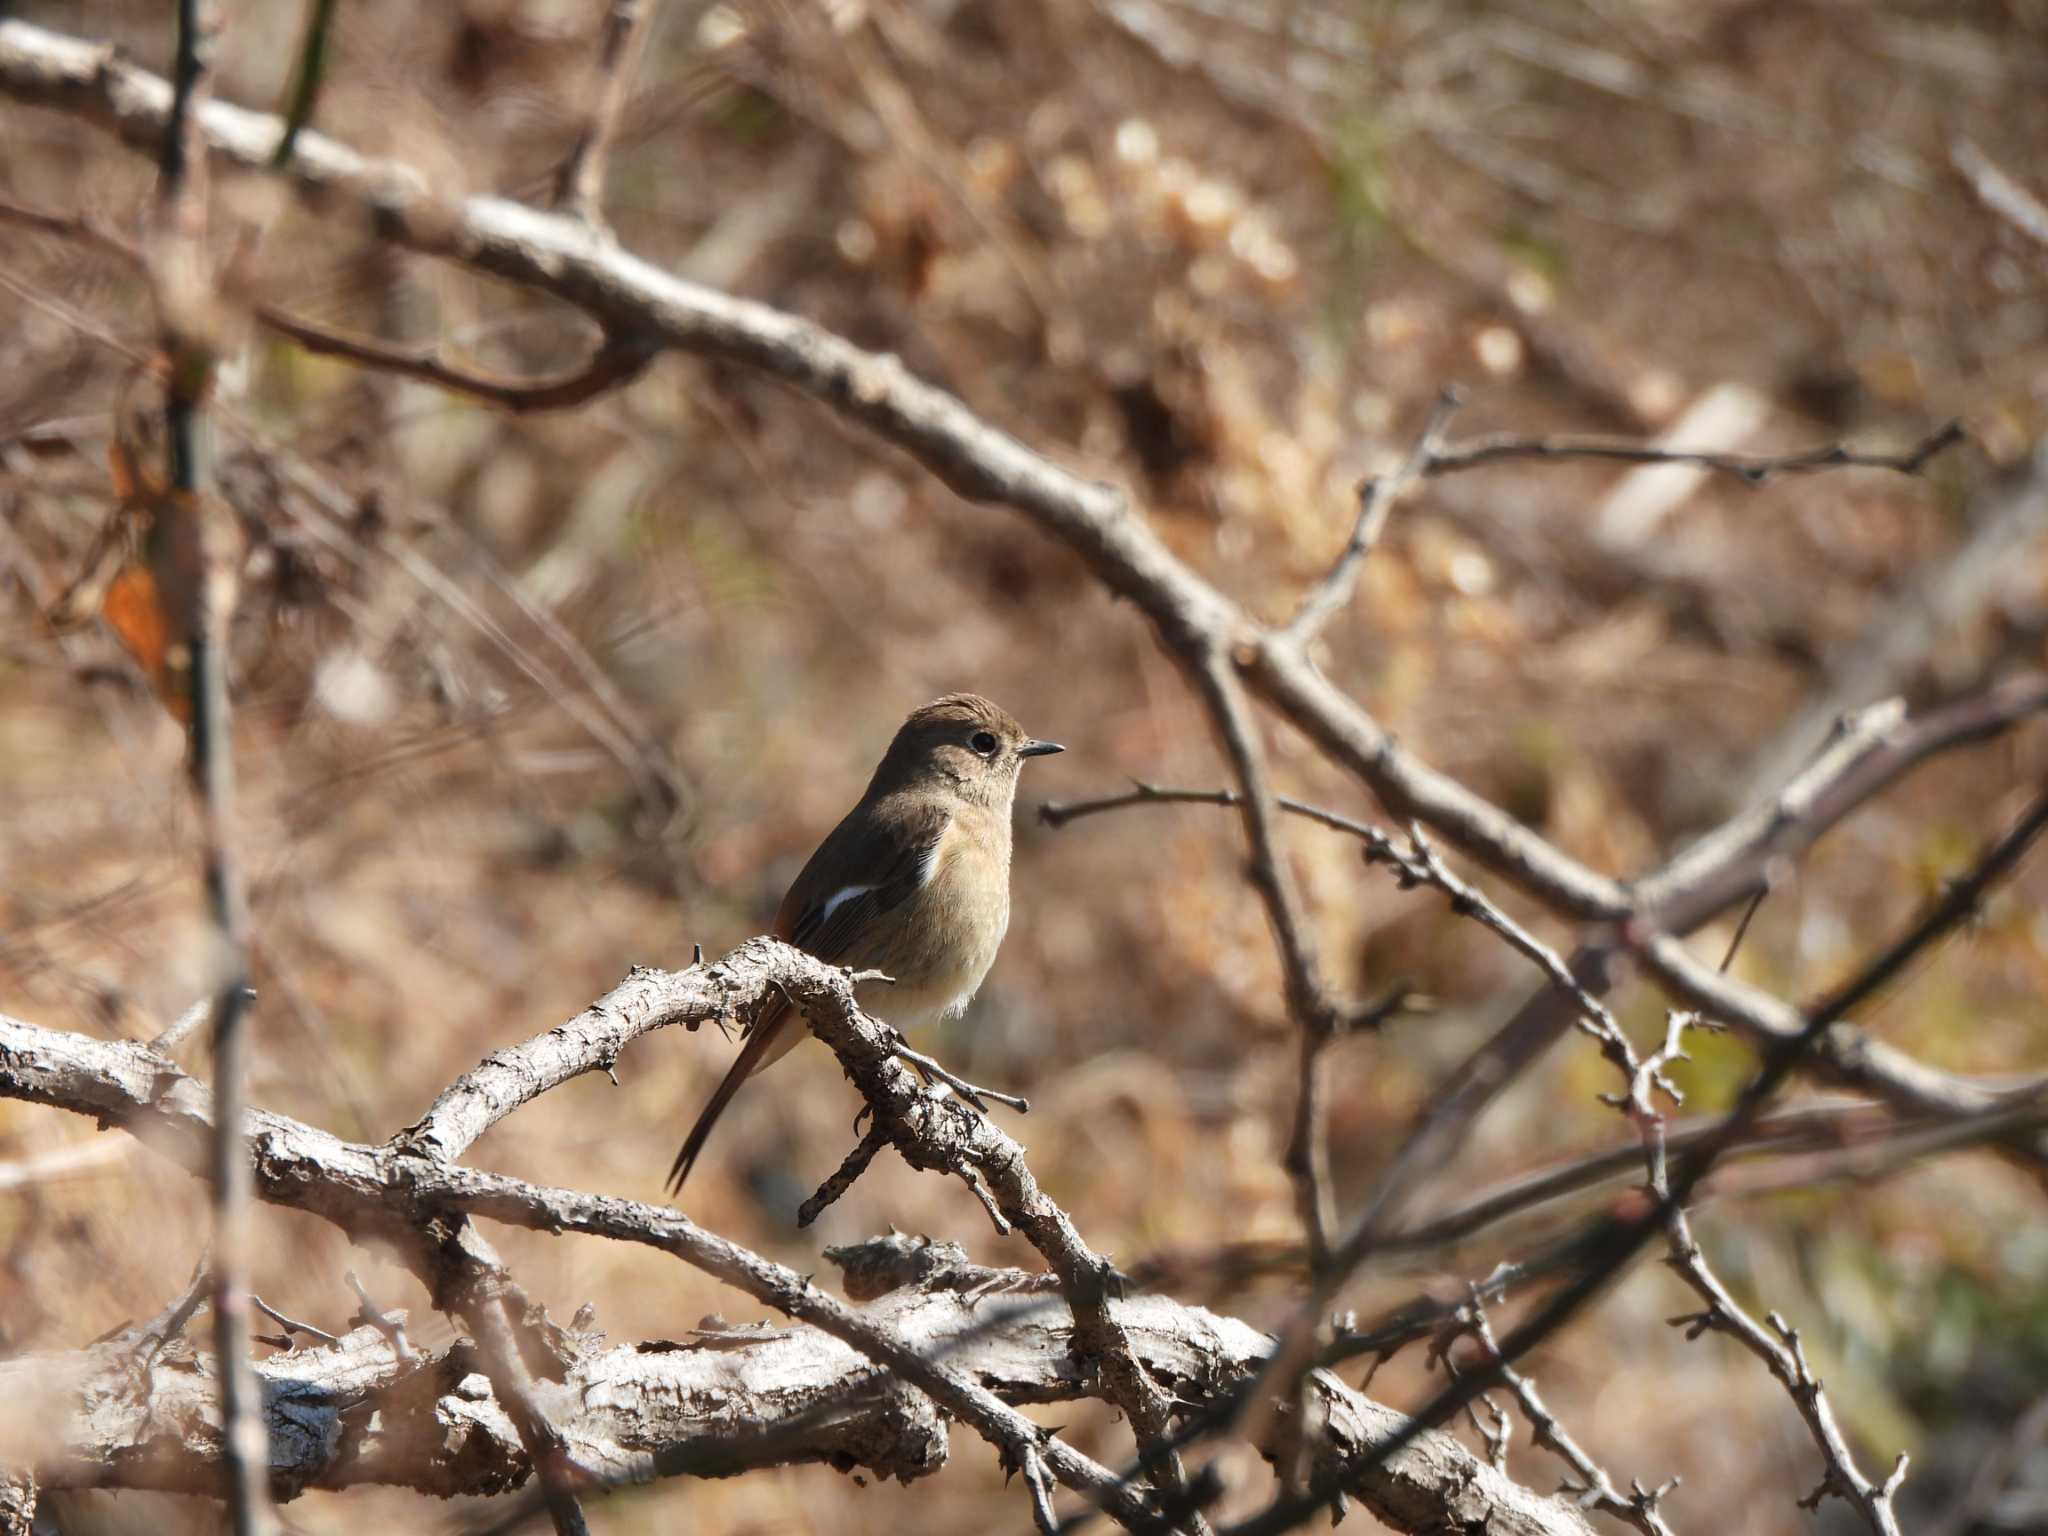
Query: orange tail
(764, 1045)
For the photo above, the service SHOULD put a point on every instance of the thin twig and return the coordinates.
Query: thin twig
(390, 1324)
(1751, 469)
(843, 1177)
(1376, 499)
(487, 1308)
(1782, 1354)
(1622, 1237)
(1038, 1484)
(1958, 902)
(1625, 1236)
(290, 1325)
(170, 1322)
(2013, 1449)
(579, 184)
(935, 1071)
(616, 361)
(195, 568)
(1594, 1489)
(182, 1028)
(1316, 1015)
(307, 71)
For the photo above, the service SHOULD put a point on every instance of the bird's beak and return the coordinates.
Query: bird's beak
(1039, 749)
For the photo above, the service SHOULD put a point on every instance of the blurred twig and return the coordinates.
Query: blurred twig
(1316, 1014)
(1752, 469)
(579, 184)
(1999, 192)
(2006, 519)
(194, 564)
(308, 69)
(614, 362)
(2012, 1450)
(1376, 498)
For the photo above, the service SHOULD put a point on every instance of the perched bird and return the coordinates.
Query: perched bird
(914, 883)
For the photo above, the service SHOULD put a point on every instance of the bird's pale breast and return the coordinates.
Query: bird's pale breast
(954, 924)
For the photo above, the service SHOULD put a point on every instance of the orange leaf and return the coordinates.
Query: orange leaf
(134, 611)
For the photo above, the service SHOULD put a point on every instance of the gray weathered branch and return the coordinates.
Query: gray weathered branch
(1024, 1343)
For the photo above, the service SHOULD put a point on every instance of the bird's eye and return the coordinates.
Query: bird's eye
(983, 742)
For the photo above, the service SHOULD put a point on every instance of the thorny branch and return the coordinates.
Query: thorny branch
(1620, 1238)
(1594, 1489)
(396, 1194)
(1422, 866)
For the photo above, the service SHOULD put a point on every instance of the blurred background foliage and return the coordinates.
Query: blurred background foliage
(526, 700)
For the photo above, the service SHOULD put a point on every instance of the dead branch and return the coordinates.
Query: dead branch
(194, 560)
(579, 183)
(713, 1403)
(399, 1195)
(614, 362)
(1751, 469)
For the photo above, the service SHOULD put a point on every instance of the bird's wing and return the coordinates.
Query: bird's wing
(892, 846)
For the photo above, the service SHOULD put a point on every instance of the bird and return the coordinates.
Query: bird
(914, 883)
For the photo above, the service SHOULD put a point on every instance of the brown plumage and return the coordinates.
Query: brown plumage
(915, 883)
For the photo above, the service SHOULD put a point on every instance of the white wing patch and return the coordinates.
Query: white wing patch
(935, 854)
(840, 898)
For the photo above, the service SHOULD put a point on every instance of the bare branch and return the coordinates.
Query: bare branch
(1723, 1314)
(393, 1193)
(1957, 904)
(308, 69)
(2003, 522)
(485, 1298)
(1872, 751)
(843, 1176)
(1595, 1489)
(399, 1196)
(1315, 1014)
(710, 1404)
(615, 362)
(1673, 1192)
(193, 554)
(579, 184)
(1376, 499)
(1751, 469)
